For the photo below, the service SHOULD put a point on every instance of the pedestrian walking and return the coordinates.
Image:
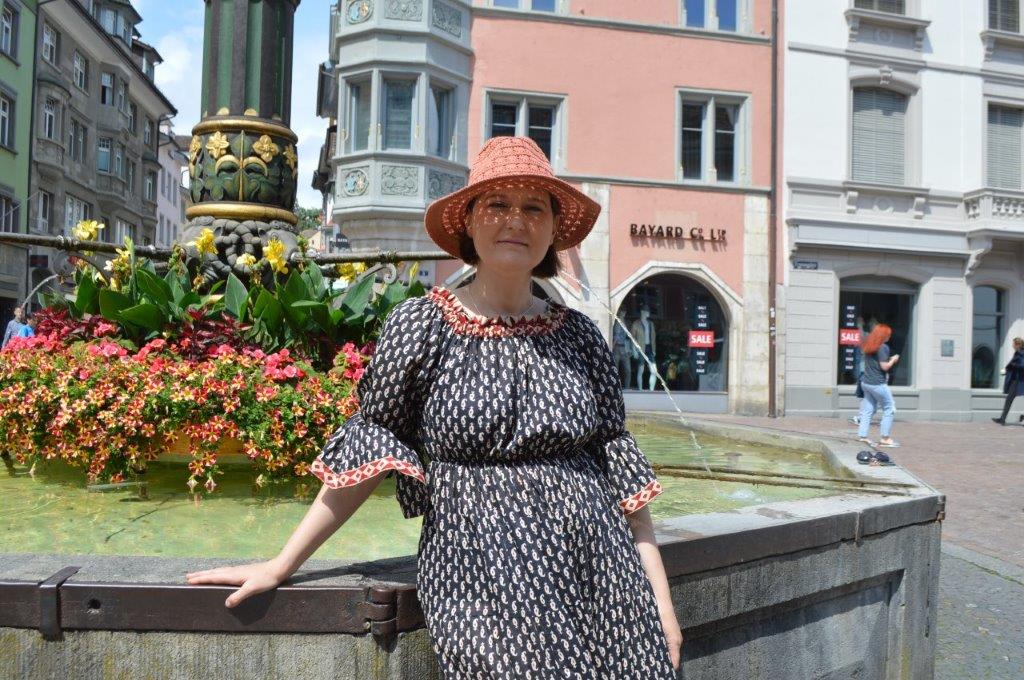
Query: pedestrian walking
(1013, 383)
(14, 325)
(875, 384)
(503, 416)
(29, 328)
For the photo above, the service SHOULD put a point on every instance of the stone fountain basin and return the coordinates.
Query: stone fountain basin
(843, 586)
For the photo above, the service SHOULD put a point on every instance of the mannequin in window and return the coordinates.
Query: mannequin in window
(643, 331)
(623, 350)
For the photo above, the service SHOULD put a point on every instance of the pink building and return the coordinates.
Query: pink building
(660, 110)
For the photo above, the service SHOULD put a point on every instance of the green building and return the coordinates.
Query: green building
(17, 57)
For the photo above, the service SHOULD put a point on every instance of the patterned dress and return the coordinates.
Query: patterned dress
(508, 437)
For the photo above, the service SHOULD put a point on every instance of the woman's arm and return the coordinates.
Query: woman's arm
(329, 511)
(650, 557)
(887, 365)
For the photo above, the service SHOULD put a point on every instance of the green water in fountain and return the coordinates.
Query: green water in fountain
(53, 512)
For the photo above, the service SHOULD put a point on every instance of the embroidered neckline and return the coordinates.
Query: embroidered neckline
(466, 322)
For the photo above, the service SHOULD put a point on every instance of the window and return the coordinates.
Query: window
(877, 299)
(535, 5)
(133, 118)
(45, 211)
(1004, 148)
(75, 210)
(149, 190)
(398, 103)
(889, 6)
(122, 230)
(81, 71)
(359, 116)
(712, 138)
(442, 121)
(9, 31)
(987, 341)
(51, 44)
(118, 160)
(147, 66)
(129, 177)
(107, 88)
(721, 15)
(879, 136)
(533, 117)
(122, 96)
(1004, 15)
(6, 121)
(8, 214)
(103, 154)
(76, 141)
(147, 133)
(51, 121)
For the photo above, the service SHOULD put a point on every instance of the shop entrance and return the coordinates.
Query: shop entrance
(681, 329)
(877, 300)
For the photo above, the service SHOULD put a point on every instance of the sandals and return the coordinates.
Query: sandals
(891, 444)
(874, 458)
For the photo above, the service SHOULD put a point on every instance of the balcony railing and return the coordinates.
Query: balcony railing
(995, 208)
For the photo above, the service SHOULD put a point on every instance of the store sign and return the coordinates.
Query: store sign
(677, 233)
(705, 339)
(849, 337)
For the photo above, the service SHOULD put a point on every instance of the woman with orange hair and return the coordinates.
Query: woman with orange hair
(875, 383)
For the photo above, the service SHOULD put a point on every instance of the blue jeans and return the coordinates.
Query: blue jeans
(875, 397)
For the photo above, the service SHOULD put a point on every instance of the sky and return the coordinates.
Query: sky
(175, 28)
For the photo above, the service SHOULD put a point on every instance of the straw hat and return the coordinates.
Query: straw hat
(508, 162)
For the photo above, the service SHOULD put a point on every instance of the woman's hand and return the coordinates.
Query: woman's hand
(673, 634)
(253, 578)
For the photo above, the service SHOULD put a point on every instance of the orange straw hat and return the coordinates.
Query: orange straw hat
(507, 162)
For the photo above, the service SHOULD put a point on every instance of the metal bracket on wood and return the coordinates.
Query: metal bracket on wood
(380, 611)
(49, 603)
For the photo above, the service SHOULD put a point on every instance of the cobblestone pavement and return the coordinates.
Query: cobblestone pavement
(981, 623)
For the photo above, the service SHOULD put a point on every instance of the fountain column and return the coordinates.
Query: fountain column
(243, 163)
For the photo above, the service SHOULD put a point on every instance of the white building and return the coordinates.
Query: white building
(170, 192)
(903, 131)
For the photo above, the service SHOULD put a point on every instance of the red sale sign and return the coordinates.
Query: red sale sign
(849, 336)
(702, 339)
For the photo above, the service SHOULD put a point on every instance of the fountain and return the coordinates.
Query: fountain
(786, 558)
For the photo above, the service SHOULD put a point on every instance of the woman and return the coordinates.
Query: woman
(1013, 384)
(504, 418)
(875, 383)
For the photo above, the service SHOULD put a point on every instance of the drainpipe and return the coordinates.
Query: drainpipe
(773, 203)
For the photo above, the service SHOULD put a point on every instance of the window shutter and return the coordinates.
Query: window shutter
(879, 136)
(1004, 147)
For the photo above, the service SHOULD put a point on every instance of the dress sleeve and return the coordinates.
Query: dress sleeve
(379, 436)
(628, 472)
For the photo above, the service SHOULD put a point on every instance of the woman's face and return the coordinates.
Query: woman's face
(512, 229)
(1018, 345)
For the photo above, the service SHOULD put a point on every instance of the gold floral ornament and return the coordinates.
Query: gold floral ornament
(274, 252)
(291, 158)
(205, 243)
(193, 149)
(217, 144)
(350, 270)
(87, 230)
(266, 148)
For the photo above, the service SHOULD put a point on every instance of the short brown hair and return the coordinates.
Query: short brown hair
(548, 268)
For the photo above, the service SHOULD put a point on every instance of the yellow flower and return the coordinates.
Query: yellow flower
(247, 260)
(350, 270)
(205, 244)
(193, 148)
(87, 230)
(266, 148)
(217, 144)
(274, 252)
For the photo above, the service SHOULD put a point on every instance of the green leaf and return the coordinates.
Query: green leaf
(111, 303)
(269, 310)
(235, 297)
(156, 289)
(146, 315)
(296, 288)
(85, 296)
(322, 316)
(315, 280)
(357, 297)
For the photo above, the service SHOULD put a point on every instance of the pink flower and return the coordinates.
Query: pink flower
(222, 350)
(104, 328)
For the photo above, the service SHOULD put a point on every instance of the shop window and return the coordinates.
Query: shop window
(399, 96)
(680, 328)
(1004, 15)
(888, 6)
(712, 138)
(987, 337)
(536, 117)
(878, 149)
(871, 300)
